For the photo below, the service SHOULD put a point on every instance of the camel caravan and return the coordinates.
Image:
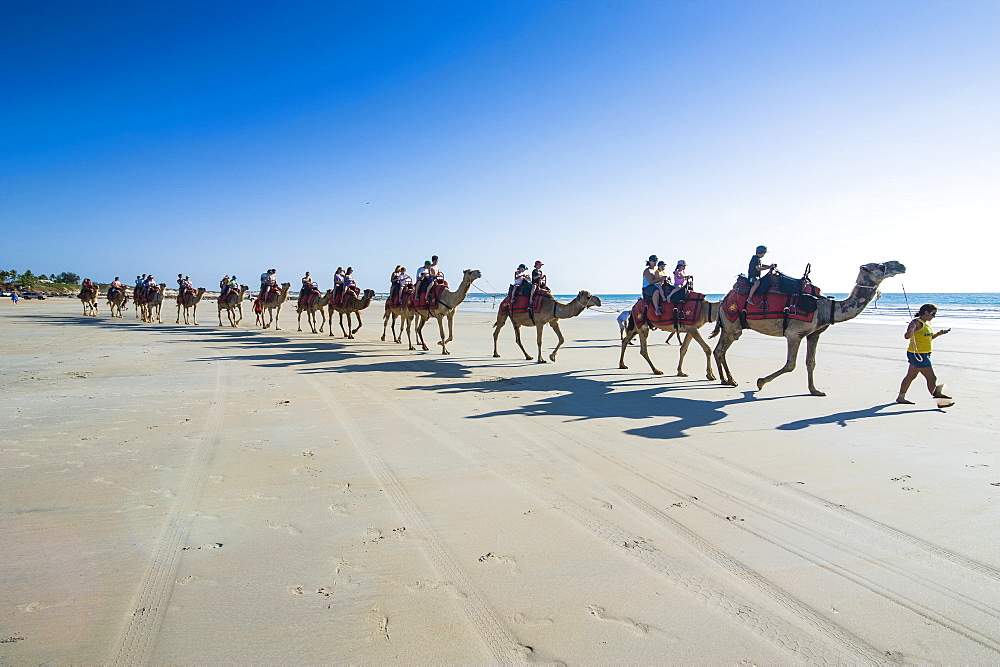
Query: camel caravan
(763, 300)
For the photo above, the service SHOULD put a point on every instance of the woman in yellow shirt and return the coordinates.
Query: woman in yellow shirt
(920, 334)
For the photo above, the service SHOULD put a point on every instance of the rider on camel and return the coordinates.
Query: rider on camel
(681, 280)
(753, 272)
(652, 280)
(268, 279)
(538, 282)
(520, 278)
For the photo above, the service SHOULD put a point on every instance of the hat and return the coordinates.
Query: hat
(521, 266)
(539, 262)
(761, 248)
(652, 258)
(661, 263)
(681, 262)
(427, 263)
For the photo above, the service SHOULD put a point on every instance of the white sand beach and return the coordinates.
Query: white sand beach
(199, 494)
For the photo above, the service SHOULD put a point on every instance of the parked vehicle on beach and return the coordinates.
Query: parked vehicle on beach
(32, 295)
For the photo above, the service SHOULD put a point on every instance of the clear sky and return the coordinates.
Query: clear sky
(220, 137)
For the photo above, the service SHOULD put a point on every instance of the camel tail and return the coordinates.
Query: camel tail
(631, 323)
(718, 328)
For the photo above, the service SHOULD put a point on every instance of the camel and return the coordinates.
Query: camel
(352, 304)
(829, 312)
(445, 309)
(317, 306)
(116, 299)
(88, 296)
(550, 312)
(404, 314)
(232, 303)
(151, 306)
(709, 312)
(273, 303)
(189, 302)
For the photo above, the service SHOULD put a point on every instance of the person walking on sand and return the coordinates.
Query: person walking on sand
(14, 297)
(918, 352)
(623, 324)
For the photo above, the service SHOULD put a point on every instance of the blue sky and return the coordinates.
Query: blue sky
(211, 138)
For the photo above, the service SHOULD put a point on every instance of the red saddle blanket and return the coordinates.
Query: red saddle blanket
(402, 297)
(308, 299)
(189, 293)
(338, 300)
(771, 304)
(521, 305)
(686, 312)
(429, 299)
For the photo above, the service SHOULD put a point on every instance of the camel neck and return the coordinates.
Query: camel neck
(452, 299)
(571, 309)
(856, 301)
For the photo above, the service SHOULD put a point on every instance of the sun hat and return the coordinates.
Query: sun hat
(652, 258)
(761, 248)
(521, 266)
(427, 262)
(539, 262)
(681, 262)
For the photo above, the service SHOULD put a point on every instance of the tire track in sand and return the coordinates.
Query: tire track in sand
(503, 647)
(833, 645)
(149, 605)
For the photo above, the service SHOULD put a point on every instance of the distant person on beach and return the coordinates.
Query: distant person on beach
(918, 353)
(14, 297)
(623, 324)
(651, 283)
(753, 271)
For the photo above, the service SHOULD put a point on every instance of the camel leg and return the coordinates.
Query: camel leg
(240, 318)
(194, 314)
(501, 321)
(517, 339)
(385, 325)
(220, 317)
(421, 321)
(539, 328)
(442, 342)
(626, 340)
(360, 323)
(409, 327)
(793, 352)
(178, 321)
(555, 327)
(300, 318)
(277, 312)
(341, 322)
(812, 341)
(727, 338)
(644, 349)
(685, 344)
(696, 335)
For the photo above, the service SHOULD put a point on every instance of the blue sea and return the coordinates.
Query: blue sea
(961, 310)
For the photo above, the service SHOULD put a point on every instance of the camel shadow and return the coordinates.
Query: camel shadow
(842, 418)
(578, 399)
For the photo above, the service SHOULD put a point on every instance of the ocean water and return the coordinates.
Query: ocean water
(960, 310)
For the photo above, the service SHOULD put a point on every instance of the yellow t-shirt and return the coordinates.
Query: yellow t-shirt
(920, 342)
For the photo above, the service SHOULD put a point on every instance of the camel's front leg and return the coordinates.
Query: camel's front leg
(409, 327)
(793, 352)
(178, 315)
(644, 348)
(194, 315)
(360, 323)
(340, 321)
(517, 339)
(299, 318)
(709, 373)
(725, 340)
(385, 325)
(555, 327)
(421, 321)
(501, 321)
(220, 316)
(812, 341)
(539, 329)
(626, 340)
(444, 341)
(240, 318)
(277, 314)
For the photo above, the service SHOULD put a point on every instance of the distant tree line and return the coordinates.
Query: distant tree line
(29, 279)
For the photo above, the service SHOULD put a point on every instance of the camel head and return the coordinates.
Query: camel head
(588, 299)
(368, 294)
(874, 274)
(472, 275)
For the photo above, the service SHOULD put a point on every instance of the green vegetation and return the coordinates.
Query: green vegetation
(62, 282)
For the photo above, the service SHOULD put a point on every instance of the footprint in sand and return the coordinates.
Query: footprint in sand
(636, 627)
(603, 503)
(446, 587)
(291, 530)
(503, 560)
(31, 607)
(337, 508)
(523, 619)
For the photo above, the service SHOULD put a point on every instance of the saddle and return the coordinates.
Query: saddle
(340, 299)
(779, 297)
(428, 299)
(520, 303)
(402, 295)
(675, 313)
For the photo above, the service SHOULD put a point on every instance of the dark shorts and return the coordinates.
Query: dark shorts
(647, 292)
(919, 360)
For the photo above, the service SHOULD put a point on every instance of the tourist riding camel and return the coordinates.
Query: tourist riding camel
(314, 303)
(271, 305)
(685, 317)
(399, 306)
(794, 322)
(188, 300)
(152, 300)
(350, 303)
(232, 302)
(117, 297)
(549, 312)
(88, 295)
(444, 308)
